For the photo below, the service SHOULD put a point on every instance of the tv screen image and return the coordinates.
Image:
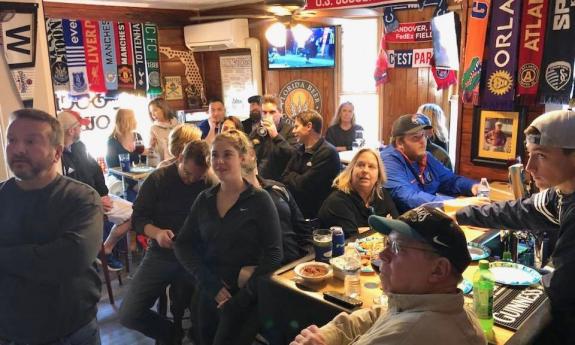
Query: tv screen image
(316, 52)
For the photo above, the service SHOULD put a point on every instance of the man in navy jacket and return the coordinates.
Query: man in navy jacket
(414, 176)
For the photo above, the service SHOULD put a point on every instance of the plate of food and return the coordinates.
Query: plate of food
(478, 251)
(313, 271)
(511, 273)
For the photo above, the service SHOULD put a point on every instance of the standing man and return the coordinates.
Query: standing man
(274, 140)
(311, 171)
(211, 126)
(160, 209)
(551, 148)
(414, 176)
(50, 234)
(424, 256)
(79, 165)
(253, 121)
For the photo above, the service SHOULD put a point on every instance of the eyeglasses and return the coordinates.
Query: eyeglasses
(396, 247)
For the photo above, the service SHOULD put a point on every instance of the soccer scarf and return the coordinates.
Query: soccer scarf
(557, 68)
(380, 74)
(533, 24)
(501, 65)
(93, 56)
(108, 49)
(152, 58)
(124, 57)
(443, 77)
(57, 54)
(139, 57)
(474, 47)
(75, 57)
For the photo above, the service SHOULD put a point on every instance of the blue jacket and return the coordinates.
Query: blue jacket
(406, 189)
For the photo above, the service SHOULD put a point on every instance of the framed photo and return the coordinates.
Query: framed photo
(173, 88)
(497, 136)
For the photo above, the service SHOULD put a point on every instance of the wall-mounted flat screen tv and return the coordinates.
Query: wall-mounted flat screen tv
(316, 52)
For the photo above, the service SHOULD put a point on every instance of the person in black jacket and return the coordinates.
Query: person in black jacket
(311, 171)
(230, 239)
(253, 121)
(296, 232)
(50, 234)
(551, 163)
(358, 194)
(160, 209)
(273, 140)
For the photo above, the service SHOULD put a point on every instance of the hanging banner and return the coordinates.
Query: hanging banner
(557, 81)
(380, 74)
(93, 56)
(57, 54)
(410, 32)
(108, 49)
(391, 22)
(445, 42)
(476, 33)
(19, 35)
(124, 56)
(443, 77)
(75, 57)
(139, 57)
(152, 58)
(338, 4)
(501, 65)
(410, 58)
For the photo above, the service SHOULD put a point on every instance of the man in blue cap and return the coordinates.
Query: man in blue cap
(414, 176)
(424, 256)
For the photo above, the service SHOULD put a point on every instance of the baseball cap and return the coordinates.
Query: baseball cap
(70, 118)
(424, 119)
(429, 225)
(556, 129)
(255, 99)
(407, 124)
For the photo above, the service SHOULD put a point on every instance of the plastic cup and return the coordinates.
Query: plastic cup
(322, 242)
(124, 161)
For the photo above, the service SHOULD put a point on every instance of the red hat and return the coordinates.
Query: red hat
(70, 118)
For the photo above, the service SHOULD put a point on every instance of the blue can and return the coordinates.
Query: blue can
(338, 241)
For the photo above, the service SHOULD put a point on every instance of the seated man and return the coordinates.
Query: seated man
(311, 171)
(274, 140)
(414, 176)
(423, 258)
(551, 162)
(211, 126)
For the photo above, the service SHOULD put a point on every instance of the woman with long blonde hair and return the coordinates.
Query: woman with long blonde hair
(358, 194)
(435, 113)
(177, 140)
(342, 131)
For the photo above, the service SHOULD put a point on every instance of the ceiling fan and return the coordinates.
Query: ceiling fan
(285, 11)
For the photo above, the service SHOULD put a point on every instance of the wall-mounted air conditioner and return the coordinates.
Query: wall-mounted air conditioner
(227, 34)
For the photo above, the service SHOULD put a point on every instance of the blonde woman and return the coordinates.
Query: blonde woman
(342, 131)
(177, 140)
(163, 119)
(437, 116)
(231, 238)
(358, 194)
(123, 138)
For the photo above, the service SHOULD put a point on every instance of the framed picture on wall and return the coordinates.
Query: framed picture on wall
(497, 136)
(173, 88)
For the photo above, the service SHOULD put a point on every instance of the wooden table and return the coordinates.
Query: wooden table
(293, 305)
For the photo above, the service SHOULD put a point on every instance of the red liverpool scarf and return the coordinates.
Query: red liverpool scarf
(557, 68)
(475, 45)
(380, 74)
(501, 64)
(124, 56)
(93, 56)
(533, 24)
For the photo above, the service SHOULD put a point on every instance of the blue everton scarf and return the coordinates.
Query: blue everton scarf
(75, 57)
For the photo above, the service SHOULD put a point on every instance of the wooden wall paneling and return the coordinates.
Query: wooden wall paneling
(173, 38)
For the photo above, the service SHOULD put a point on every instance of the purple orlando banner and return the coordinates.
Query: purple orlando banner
(501, 64)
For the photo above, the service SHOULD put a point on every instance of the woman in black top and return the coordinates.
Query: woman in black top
(342, 131)
(231, 238)
(359, 193)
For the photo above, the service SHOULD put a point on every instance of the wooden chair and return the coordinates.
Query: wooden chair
(106, 272)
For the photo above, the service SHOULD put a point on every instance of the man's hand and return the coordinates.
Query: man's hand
(309, 336)
(107, 203)
(212, 121)
(164, 238)
(269, 124)
(475, 189)
(222, 297)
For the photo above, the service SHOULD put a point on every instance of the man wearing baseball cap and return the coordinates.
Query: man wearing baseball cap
(424, 255)
(550, 141)
(414, 176)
